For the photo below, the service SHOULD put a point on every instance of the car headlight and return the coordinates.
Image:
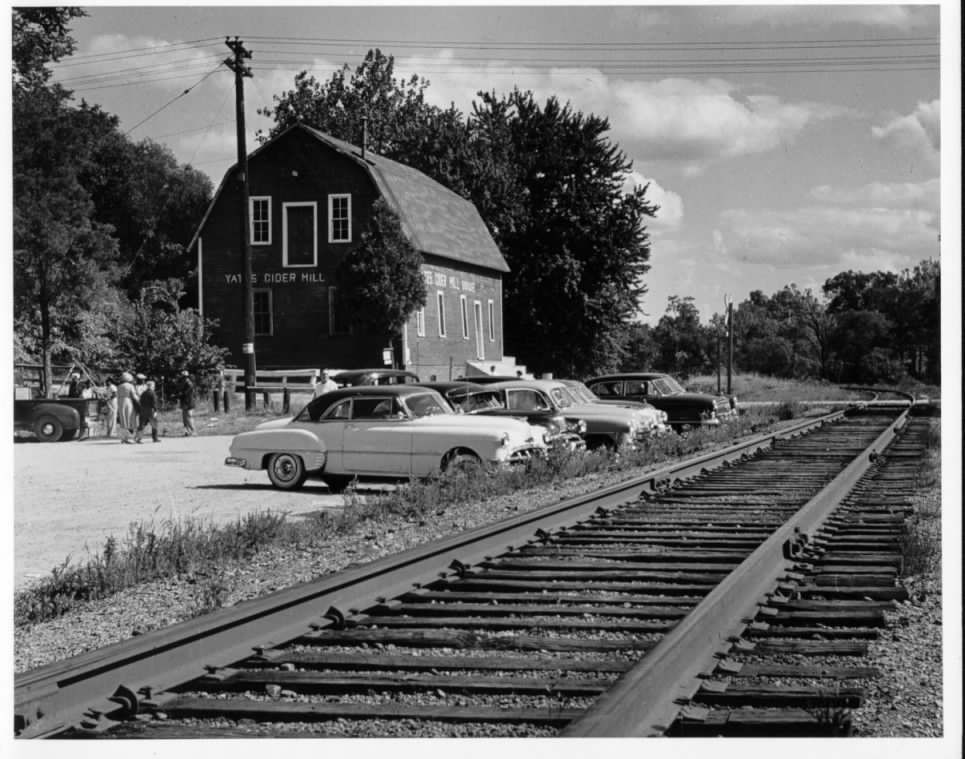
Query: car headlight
(663, 416)
(504, 439)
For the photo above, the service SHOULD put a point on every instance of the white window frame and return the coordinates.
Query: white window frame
(420, 322)
(464, 312)
(491, 308)
(284, 231)
(477, 318)
(271, 311)
(441, 308)
(331, 217)
(252, 203)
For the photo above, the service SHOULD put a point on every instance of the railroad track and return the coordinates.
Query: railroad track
(678, 586)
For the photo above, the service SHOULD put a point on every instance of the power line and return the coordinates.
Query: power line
(172, 100)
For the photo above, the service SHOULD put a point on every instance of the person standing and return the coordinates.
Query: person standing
(127, 408)
(324, 384)
(110, 408)
(140, 383)
(186, 403)
(148, 412)
(74, 388)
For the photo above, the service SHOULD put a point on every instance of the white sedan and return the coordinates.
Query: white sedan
(383, 432)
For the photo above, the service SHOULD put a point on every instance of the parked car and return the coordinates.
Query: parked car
(582, 394)
(374, 377)
(384, 432)
(610, 426)
(684, 409)
(469, 398)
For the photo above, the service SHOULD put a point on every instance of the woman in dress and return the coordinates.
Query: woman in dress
(127, 411)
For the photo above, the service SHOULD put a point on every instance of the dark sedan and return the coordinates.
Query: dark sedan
(684, 409)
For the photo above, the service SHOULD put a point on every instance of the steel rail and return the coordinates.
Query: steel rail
(113, 681)
(646, 700)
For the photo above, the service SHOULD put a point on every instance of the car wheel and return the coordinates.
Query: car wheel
(337, 482)
(286, 471)
(461, 462)
(48, 429)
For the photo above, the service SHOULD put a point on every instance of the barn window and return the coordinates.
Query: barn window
(420, 322)
(441, 304)
(262, 307)
(340, 218)
(300, 233)
(492, 320)
(464, 311)
(259, 217)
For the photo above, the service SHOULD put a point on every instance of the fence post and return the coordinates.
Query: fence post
(286, 401)
(215, 401)
(227, 402)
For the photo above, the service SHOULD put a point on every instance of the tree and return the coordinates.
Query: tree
(40, 36)
(161, 339)
(684, 345)
(380, 282)
(63, 257)
(551, 193)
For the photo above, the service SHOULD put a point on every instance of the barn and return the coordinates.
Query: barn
(309, 199)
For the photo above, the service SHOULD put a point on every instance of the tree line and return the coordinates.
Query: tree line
(101, 224)
(877, 327)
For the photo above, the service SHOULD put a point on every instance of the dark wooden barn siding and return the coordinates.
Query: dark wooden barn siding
(294, 169)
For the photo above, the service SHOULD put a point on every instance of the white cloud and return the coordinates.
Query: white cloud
(671, 209)
(690, 122)
(914, 195)
(918, 132)
(818, 236)
(877, 15)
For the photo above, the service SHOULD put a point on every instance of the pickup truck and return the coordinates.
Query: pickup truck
(53, 419)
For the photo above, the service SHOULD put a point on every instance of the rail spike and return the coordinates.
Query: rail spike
(336, 616)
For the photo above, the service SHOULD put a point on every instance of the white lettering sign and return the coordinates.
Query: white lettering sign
(279, 278)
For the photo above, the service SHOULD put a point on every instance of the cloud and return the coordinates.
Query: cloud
(918, 132)
(671, 209)
(818, 236)
(878, 15)
(688, 121)
(903, 195)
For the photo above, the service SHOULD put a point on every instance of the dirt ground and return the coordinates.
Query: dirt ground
(68, 497)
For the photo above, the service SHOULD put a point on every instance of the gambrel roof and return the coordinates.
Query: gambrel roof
(436, 220)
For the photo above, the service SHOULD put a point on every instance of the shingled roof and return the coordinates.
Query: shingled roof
(435, 219)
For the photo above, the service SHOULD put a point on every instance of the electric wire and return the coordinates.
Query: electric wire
(171, 101)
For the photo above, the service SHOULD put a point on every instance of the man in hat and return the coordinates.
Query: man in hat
(148, 413)
(186, 403)
(74, 388)
(140, 383)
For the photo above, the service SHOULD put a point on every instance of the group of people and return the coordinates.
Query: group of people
(132, 406)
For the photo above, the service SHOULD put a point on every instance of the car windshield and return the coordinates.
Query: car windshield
(562, 397)
(581, 392)
(426, 404)
(474, 402)
(666, 385)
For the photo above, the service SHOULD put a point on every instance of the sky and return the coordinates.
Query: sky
(774, 159)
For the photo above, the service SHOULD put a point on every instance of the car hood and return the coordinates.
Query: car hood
(275, 423)
(473, 423)
(686, 399)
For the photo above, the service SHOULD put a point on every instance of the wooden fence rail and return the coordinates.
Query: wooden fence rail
(268, 381)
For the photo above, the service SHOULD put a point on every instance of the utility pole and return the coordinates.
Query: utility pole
(237, 65)
(730, 345)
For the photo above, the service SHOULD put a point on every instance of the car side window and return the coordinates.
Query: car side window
(526, 400)
(636, 387)
(606, 389)
(372, 408)
(340, 410)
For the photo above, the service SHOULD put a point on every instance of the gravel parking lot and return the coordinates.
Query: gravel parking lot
(68, 497)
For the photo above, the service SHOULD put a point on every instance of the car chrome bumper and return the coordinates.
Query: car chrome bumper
(234, 461)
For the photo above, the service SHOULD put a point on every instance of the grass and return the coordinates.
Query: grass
(922, 541)
(759, 387)
(202, 552)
